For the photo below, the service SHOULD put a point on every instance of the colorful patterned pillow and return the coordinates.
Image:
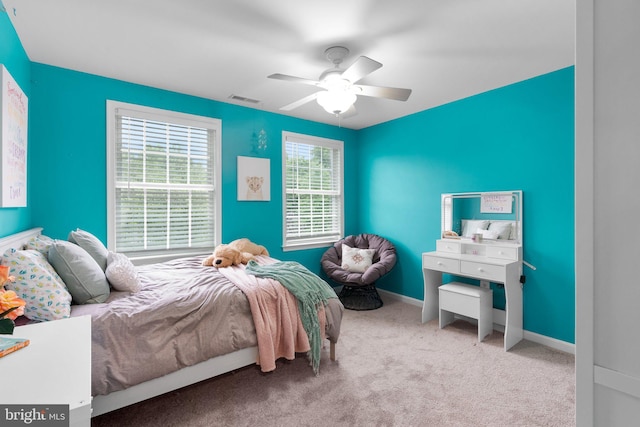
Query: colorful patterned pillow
(40, 243)
(38, 284)
(356, 260)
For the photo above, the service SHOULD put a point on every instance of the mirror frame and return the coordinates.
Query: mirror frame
(446, 208)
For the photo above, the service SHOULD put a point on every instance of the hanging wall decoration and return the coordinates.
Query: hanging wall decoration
(13, 143)
(253, 179)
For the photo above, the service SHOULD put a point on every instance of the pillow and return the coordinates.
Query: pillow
(40, 243)
(469, 227)
(83, 276)
(503, 229)
(38, 284)
(356, 260)
(488, 234)
(91, 244)
(121, 273)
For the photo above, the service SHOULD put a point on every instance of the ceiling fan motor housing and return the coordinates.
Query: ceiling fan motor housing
(336, 54)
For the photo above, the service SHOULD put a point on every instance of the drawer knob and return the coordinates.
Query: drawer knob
(480, 269)
(439, 263)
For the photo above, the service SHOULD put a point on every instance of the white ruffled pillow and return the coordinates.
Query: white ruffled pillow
(356, 260)
(121, 273)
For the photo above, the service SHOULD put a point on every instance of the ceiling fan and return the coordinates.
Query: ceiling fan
(339, 86)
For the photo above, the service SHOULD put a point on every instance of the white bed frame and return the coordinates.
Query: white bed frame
(157, 386)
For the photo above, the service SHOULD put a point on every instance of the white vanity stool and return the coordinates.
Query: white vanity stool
(467, 300)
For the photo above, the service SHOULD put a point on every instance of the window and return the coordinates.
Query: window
(313, 191)
(163, 168)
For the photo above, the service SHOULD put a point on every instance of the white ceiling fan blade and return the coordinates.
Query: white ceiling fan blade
(294, 79)
(396, 93)
(362, 67)
(299, 102)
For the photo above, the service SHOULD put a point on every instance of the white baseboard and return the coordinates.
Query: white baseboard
(398, 297)
(499, 317)
(567, 347)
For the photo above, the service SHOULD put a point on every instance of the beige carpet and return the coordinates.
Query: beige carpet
(391, 371)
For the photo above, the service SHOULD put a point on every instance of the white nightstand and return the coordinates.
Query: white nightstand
(55, 368)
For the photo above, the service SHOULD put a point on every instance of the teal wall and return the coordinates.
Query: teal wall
(14, 58)
(68, 150)
(519, 137)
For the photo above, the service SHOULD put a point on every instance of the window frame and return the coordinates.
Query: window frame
(157, 114)
(312, 242)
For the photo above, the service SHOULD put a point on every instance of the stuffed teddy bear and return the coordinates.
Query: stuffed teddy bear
(237, 252)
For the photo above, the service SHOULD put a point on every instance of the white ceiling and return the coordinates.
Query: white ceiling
(443, 50)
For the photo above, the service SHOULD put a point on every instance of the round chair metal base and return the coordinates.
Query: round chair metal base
(360, 297)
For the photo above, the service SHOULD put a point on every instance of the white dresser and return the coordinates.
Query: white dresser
(491, 261)
(55, 368)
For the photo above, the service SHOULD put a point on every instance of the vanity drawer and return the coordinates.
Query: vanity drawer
(446, 265)
(448, 246)
(502, 252)
(483, 271)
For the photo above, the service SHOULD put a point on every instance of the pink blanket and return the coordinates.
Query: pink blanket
(275, 314)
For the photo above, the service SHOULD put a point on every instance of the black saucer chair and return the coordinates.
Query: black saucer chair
(358, 289)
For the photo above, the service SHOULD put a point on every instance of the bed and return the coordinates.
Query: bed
(196, 324)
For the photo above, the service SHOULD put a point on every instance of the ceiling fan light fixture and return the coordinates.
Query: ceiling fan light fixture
(336, 101)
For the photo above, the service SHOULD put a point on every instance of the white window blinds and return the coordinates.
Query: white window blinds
(162, 181)
(313, 190)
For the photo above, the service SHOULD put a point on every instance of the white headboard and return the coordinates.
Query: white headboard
(18, 240)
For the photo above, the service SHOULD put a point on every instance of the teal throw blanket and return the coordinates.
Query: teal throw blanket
(309, 290)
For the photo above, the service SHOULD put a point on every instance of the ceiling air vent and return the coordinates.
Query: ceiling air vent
(243, 99)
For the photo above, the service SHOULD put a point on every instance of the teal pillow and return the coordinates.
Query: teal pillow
(92, 245)
(84, 278)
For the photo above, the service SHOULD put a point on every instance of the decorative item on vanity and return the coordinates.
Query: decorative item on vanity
(11, 306)
(488, 249)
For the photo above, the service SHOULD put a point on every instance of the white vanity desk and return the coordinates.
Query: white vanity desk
(497, 261)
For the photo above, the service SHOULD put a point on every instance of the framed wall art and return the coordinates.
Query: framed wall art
(13, 142)
(253, 179)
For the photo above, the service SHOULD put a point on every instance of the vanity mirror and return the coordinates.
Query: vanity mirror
(495, 215)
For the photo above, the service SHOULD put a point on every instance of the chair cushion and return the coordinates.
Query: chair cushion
(382, 262)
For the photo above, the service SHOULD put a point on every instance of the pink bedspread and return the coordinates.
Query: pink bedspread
(275, 314)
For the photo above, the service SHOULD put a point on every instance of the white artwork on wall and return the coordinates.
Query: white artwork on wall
(13, 143)
(253, 179)
(496, 203)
